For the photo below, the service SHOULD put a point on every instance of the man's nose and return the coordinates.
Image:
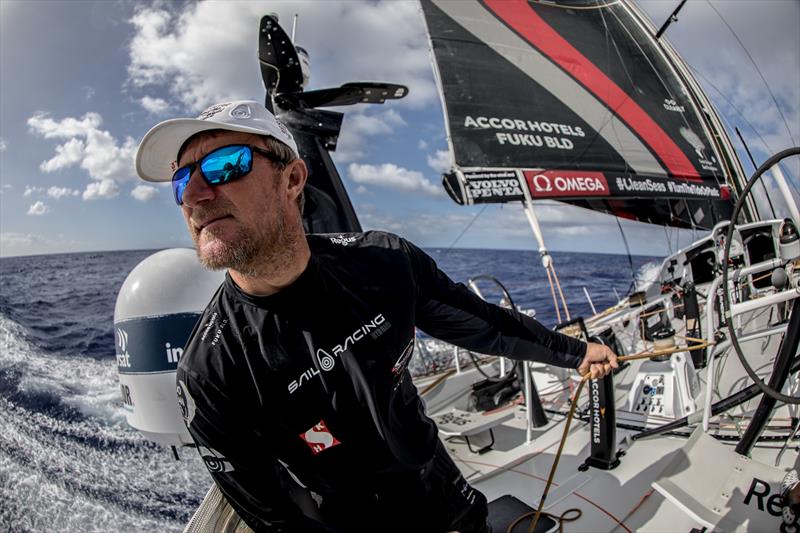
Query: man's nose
(197, 190)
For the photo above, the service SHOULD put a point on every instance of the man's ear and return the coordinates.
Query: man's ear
(298, 173)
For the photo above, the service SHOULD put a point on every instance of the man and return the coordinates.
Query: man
(296, 372)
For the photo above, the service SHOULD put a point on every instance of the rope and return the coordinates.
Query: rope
(553, 293)
(574, 404)
(562, 518)
(628, 251)
(560, 292)
(572, 407)
(603, 314)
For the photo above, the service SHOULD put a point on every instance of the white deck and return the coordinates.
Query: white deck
(622, 499)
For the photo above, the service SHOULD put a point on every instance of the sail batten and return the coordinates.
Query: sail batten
(572, 101)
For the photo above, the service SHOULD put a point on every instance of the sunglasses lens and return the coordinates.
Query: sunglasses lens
(179, 181)
(227, 164)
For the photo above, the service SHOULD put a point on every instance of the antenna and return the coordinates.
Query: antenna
(672, 18)
(294, 26)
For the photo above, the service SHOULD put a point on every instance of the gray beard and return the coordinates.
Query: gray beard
(260, 255)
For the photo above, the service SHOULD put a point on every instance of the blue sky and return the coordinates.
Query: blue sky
(81, 82)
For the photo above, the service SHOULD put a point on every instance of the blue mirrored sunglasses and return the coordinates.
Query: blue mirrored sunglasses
(223, 165)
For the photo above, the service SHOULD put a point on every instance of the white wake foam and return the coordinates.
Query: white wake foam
(646, 275)
(81, 473)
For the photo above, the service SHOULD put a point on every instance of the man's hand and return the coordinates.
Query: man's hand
(599, 360)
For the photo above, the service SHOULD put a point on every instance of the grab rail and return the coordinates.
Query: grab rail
(735, 309)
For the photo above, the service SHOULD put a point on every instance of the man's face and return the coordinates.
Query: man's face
(240, 224)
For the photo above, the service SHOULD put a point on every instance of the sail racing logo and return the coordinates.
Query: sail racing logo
(556, 183)
(215, 461)
(319, 438)
(325, 360)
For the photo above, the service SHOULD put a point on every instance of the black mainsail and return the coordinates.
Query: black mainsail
(576, 101)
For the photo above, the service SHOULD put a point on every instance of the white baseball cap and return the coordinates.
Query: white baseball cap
(156, 158)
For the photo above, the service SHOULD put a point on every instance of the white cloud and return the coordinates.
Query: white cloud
(358, 126)
(422, 144)
(44, 126)
(67, 154)
(105, 159)
(188, 53)
(60, 192)
(144, 193)
(364, 124)
(440, 162)
(32, 190)
(95, 150)
(39, 208)
(3, 145)
(362, 190)
(155, 106)
(392, 176)
(13, 243)
(10, 238)
(106, 188)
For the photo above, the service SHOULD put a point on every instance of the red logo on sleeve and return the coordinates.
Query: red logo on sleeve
(319, 438)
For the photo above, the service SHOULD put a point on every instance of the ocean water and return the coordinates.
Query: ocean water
(68, 459)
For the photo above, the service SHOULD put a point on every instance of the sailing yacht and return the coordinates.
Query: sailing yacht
(583, 103)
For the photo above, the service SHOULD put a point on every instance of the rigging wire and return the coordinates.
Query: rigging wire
(769, 149)
(630, 259)
(553, 293)
(669, 242)
(747, 52)
(573, 7)
(696, 72)
(471, 222)
(755, 167)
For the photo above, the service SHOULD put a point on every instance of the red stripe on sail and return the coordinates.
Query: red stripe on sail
(518, 15)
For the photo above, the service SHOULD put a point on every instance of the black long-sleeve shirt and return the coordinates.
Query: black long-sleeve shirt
(314, 377)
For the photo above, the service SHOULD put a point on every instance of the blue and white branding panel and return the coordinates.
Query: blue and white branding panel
(146, 345)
